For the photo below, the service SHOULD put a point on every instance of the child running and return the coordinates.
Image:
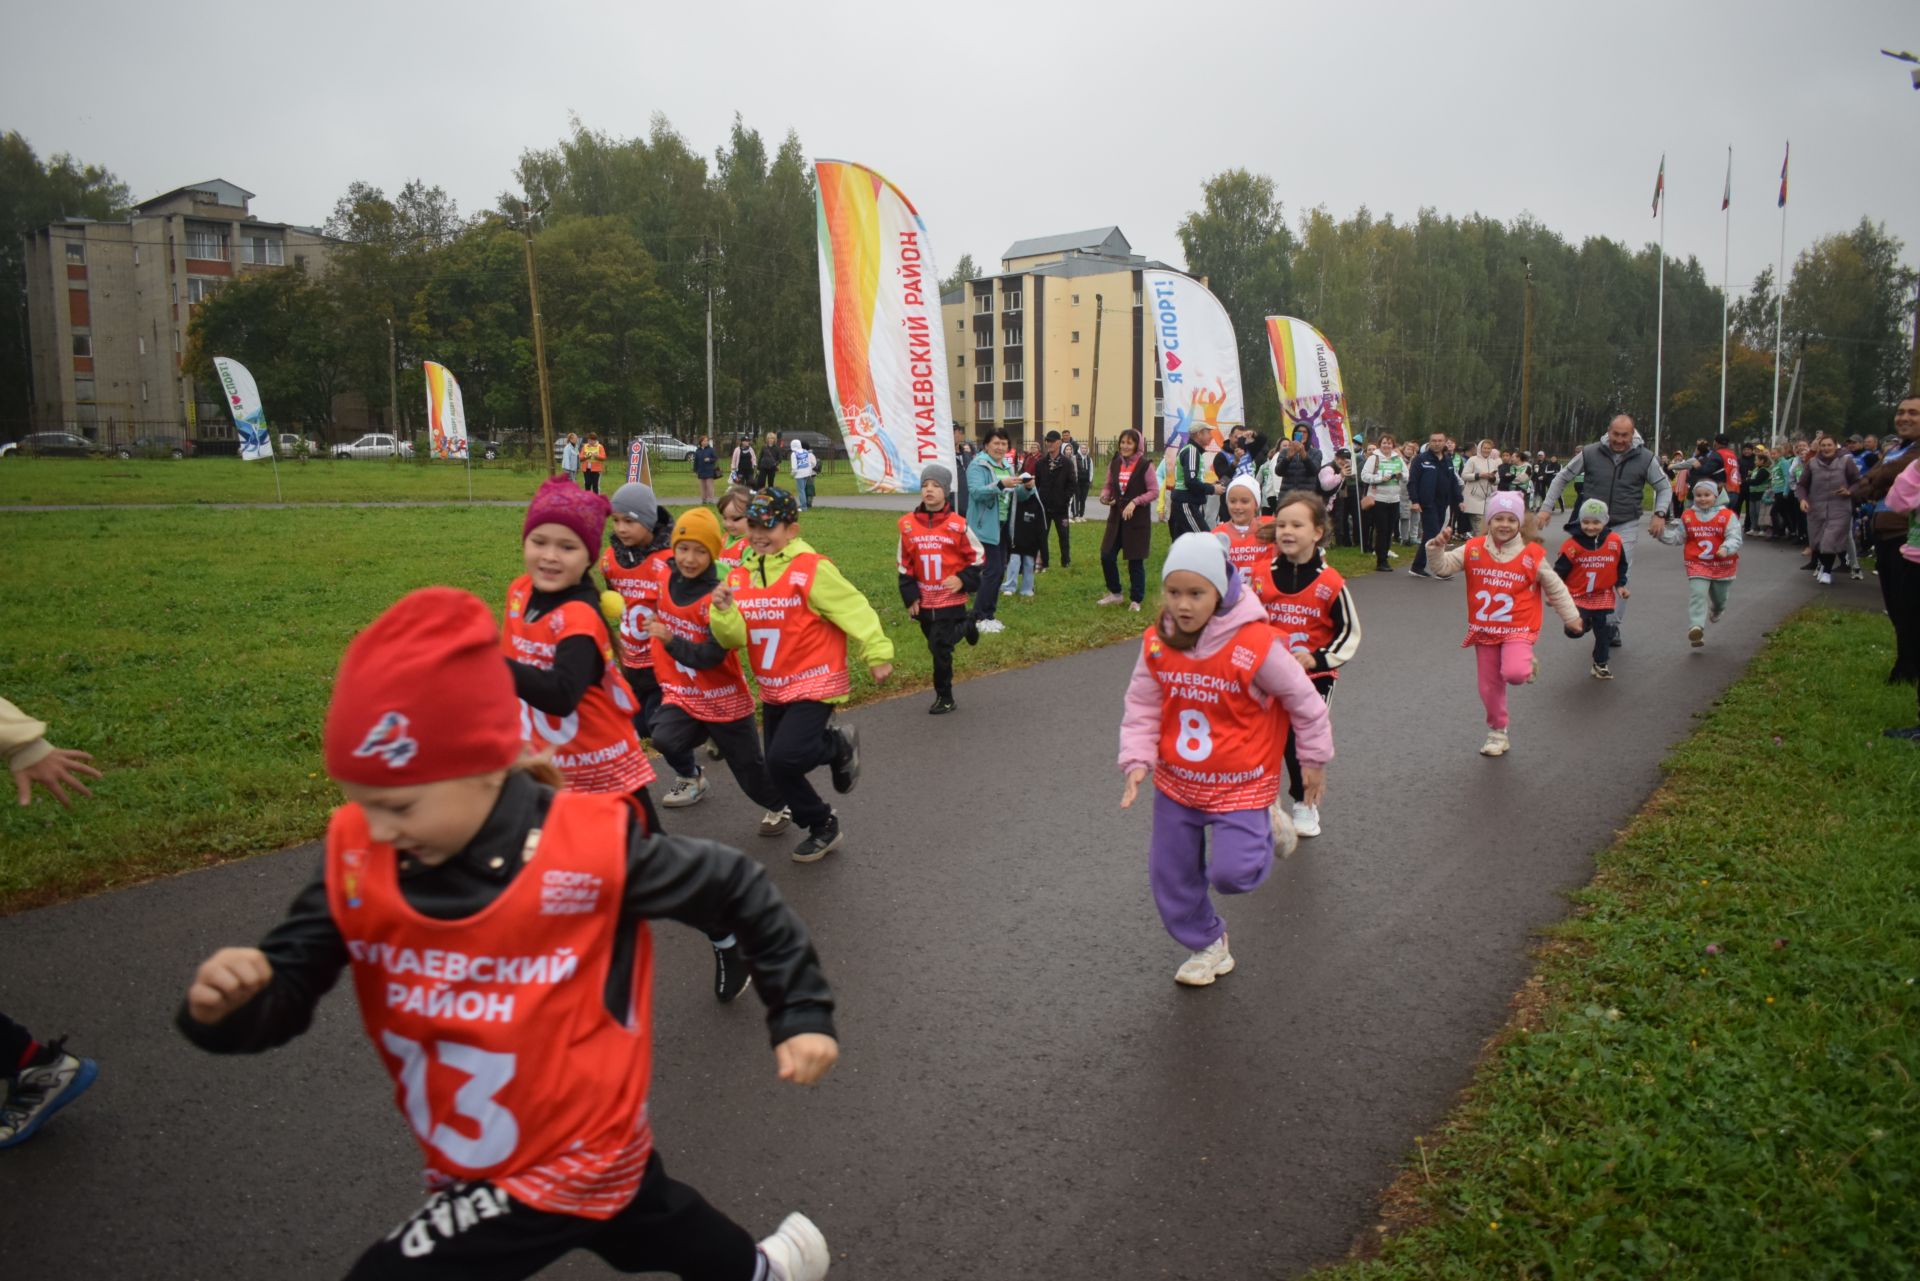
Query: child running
(1212, 694)
(1308, 603)
(1593, 564)
(1711, 536)
(1506, 575)
(633, 566)
(496, 933)
(794, 611)
(940, 566)
(733, 519)
(704, 693)
(1241, 528)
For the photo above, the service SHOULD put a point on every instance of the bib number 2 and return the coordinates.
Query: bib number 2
(1195, 740)
(497, 1132)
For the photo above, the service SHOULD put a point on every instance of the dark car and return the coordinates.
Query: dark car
(155, 447)
(57, 444)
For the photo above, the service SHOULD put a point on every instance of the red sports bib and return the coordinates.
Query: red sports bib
(640, 588)
(1595, 571)
(494, 1028)
(932, 552)
(1304, 618)
(733, 553)
(1503, 599)
(1706, 534)
(796, 655)
(1220, 738)
(594, 745)
(707, 694)
(1246, 551)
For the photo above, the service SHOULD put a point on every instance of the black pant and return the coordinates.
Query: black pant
(1136, 574)
(797, 742)
(987, 599)
(476, 1232)
(944, 629)
(1383, 525)
(15, 1041)
(1296, 786)
(1059, 522)
(1600, 626)
(676, 733)
(1900, 591)
(646, 691)
(1184, 517)
(591, 479)
(1346, 519)
(1431, 519)
(1080, 498)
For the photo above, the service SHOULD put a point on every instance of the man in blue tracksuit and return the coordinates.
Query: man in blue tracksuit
(1434, 490)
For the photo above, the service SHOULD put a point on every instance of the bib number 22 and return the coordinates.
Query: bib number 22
(1493, 607)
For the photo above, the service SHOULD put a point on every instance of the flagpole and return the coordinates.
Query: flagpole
(1660, 318)
(1726, 257)
(1779, 297)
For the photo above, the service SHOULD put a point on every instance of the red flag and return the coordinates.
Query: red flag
(1726, 193)
(1783, 175)
(1659, 186)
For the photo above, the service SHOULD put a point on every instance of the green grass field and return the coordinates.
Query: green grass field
(1713, 1074)
(63, 481)
(193, 652)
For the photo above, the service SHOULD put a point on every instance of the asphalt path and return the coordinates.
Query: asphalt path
(1024, 1091)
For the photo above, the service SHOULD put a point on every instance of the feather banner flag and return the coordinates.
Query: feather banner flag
(1659, 186)
(1199, 361)
(1783, 175)
(446, 412)
(880, 324)
(243, 402)
(1726, 192)
(1307, 373)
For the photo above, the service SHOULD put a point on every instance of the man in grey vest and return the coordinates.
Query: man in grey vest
(1616, 470)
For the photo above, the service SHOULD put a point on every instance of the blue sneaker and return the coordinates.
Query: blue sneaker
(41, 1090)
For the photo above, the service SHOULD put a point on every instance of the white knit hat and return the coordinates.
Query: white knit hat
(1202, 554)
(1245, 482)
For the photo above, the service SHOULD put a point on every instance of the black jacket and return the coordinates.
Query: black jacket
(1434, 483)
(576, 660)
(699, 883)
(1056, 479)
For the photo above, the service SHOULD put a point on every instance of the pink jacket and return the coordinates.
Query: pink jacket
(1905, 497)
(1279, 676)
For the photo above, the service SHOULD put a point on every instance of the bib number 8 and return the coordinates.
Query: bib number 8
(498, 1133)
(1195, 740)
(1494, 607)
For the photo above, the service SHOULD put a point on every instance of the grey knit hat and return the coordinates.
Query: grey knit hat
(941, 476)
(1594, 509)
(635, 501)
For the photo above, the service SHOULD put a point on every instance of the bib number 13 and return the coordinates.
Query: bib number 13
(1195, 740)
(497, 1133)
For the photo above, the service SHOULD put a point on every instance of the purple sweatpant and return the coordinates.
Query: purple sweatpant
(1181, 871)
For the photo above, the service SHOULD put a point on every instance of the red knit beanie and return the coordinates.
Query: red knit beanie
(560, 502)
(424, 694)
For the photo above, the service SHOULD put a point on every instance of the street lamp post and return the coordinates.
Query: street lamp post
(539, 339)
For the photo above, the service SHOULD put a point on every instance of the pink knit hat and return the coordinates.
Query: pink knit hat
(1508, 502)
(560, 502)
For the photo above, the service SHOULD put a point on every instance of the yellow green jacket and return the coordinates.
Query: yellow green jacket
(832, 598)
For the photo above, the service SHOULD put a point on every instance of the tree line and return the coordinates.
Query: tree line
(636, 238)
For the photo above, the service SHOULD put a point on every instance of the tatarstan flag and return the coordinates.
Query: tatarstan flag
(1659, 186)
(1783, 175)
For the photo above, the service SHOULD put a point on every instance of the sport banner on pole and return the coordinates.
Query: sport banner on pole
(1307, 373)
(446, 412)
(880, 325)
(243, 402)
(639, 463)
(1199, 364)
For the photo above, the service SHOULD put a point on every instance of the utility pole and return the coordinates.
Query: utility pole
(1913, 378)
(1093, 404)
(707, 262)
(393, 381)
(539, 341)
(1526, 364)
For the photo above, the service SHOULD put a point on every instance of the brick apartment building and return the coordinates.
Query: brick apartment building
(108, 305)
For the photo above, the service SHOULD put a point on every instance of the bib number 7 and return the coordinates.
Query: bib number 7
(1493, 607)
(768, 637)
(498, 1133)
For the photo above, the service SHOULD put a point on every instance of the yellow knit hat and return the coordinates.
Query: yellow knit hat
(698, 525)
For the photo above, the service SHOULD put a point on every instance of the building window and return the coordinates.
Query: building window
(963, 393)
(1076, 336)
(1076, 300)
(1015, 337)
(262, 251)
(143, 393)
(83, 389)
(1136, 297)
(143, 345)
(176, 340)
(1012, 302)
(199, 289)
(299, 262)
(76, 251)
(83, 344)
(206, 244)
(961, 324)
(1076, 411)
(136, 255)
(1076, 371)
(1014, 369)
(960, 361)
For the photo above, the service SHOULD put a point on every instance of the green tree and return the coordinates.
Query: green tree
(1849, 299)
(1240, 242)
(33, 194)
(285, 328)
(963, 271)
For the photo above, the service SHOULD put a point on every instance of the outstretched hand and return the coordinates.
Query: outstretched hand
(1576, 630)
(1134, 777)
(806, 1057)
(1313, 783)
(720, 598)
(56, 771)
(226, 981)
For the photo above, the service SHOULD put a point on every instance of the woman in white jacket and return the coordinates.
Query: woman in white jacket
(1479, 478)
(1384, 474)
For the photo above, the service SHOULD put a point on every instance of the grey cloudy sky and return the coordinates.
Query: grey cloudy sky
(1011, 120)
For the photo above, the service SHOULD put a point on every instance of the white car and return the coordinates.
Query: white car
(375, 445)
(667, 449)
(289, 445)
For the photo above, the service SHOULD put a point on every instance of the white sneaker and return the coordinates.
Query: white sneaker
(1286, 839)
(1696, 637)
(990, 627)
(797, 1251)
(774, 822)
(685, 792)
(1392, 554)
(1134, 606)
(1497, 743)
(1203, 967)
(1306, 818)
(1111, 598)
(1823, 578)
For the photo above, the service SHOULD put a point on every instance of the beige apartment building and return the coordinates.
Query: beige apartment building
(1023, 342)
(108, 305)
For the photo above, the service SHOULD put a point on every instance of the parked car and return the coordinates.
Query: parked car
(56, 444)
(290, 445)
(155, 447)
(375, 445)
(667, 449)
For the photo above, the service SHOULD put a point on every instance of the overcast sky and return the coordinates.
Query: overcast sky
(1003, 121)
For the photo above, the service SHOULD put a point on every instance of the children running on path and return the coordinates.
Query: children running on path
(1506, 576)
(1593, 564)
(496, 934)
(940, 562)
(1212, 695)
(1711, 537)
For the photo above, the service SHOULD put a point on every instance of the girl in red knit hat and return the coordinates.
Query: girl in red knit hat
(496, 932)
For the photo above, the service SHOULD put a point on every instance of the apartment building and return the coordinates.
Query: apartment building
(1027, 343)
(108, 305)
